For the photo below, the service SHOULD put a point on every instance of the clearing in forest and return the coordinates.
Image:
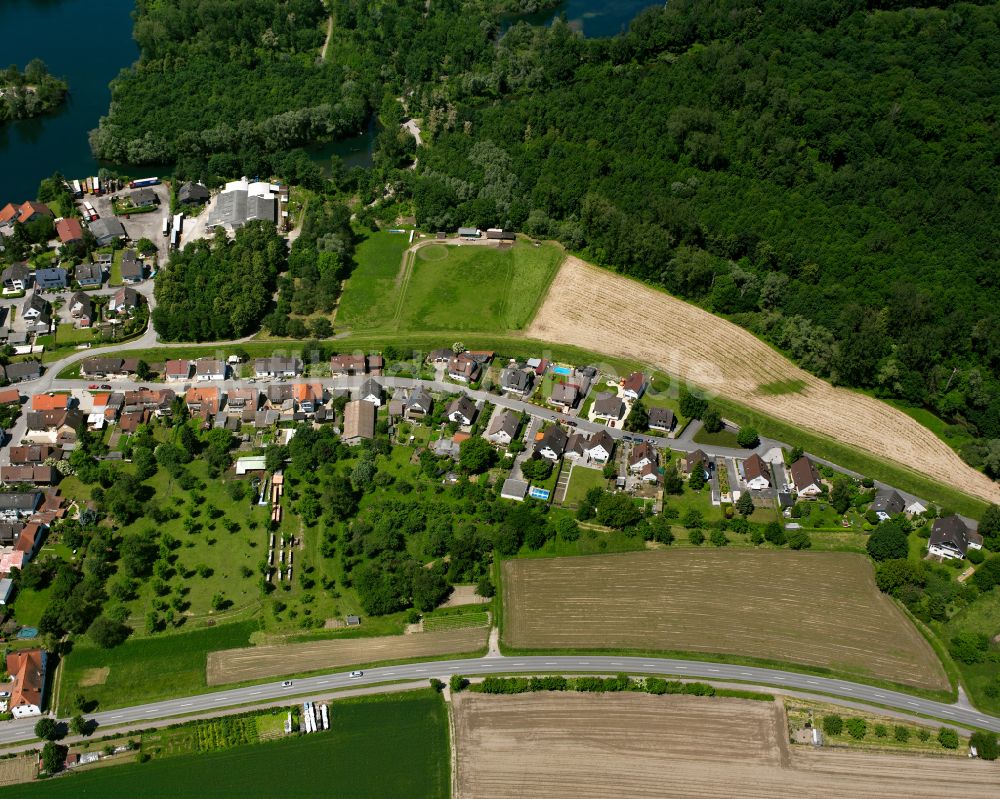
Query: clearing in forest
(595, 309)
(819, 609)
(579, 746)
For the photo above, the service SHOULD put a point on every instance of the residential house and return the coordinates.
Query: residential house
(8, 214)
(447, 448)
(564, 395)
(649, 473)
(19, 505)
(661, 419)
(50, 402)
(696, 459)
(22, 370)
(371, 391)
(177, 370)
(30, 211)
(633, 386)
(204, 401)
(206, 369)
(375, 365)
(607, 406)
(131, 419)
(33, 454)
(10, 396)
(347, 365)
(89, 276)
(916, 507)
(463, 367)
(36, 308)
(281, 397)
(805, 478)
(50, 279)
(132, 270)
(461, 410)
(36, 475)
(887, 504)
(277, 366)
(16, 277)
(106, 230)
(359, 422)
(308, 396)
(192, 194)
(952, 538)
(756, 473)
(143, 197)
(124, 301)
(516, 381)
(503, 429)
(81, 308)
(69, 230)
(26, 668)
(239, 400)
(103, 367)
(417, 405)
(441, 356)
(9, 531)
(54, 427)
(642, 455)
(6, 593)
(552, 444)
(600, 447)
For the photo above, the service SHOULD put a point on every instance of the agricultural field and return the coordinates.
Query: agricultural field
(446, 287)
(18, 769)
(818, 609)
(254, 663)
(120, 677)
(359, 757)
(578, 746)
(732, 363)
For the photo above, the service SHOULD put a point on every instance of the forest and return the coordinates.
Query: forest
(29, 93)
(219, 289)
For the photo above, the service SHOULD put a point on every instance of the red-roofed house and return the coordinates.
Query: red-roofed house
(50, 402)
(10, 396)
(30, 540)
(8, 213)
(69, 231)
(309, 396)
(203, 401)
(27, 671)
(30, 211)
(634, 385)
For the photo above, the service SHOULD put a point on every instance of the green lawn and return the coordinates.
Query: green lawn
(29, 606)
(380, 746)
(447, 287)
(146, 669)
(723, 438)
(115, 278)
(581, 481)
(982, 616)
(369, 297)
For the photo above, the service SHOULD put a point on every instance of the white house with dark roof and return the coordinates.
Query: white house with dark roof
(806, 478)
(951, 538)
(756, 473)
(371, 391)
(503, 429)
(642, 455)
(552, 444)
(461, 410)
(516, 381)
(607, 407)
(661, 419)
(887, 504)
(600, 447)
(209, 369)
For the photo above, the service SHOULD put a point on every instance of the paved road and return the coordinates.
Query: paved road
(14, 731)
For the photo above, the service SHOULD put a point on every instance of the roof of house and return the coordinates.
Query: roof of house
(276, 364)
(634, 382)
(602, 439)
(347, 362)
(126, 297)
(106, 227)
(22, 501)
(84, 301)
(36, 302)
(307, 392)
(563, 393)
(106, 366)
(132, 270)
(515, 379)
(951, 532)
(28, 474)
(370, 388)
(69, 229)
(462, 405)
(8, 212)
(661, 417)
(178, 368)
(22, 370)
(10, 396)
(52, 420)
(192, 192)
(607, 404)
(804, 473)
(89, 273)
(243, 397)
(209, 366)
(553, 438)
(506, 421)
(32, 453)
(143, 196)
(208, 396)
(29, 207)
(359, 419)
(754, 467)
(49, 402)
(419, 399)
(55, 275)
(642, 451)
(16, 271)
(463, 364)
(889, 502)
(27, 668)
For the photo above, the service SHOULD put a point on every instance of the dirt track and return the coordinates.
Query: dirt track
(253, 663)
(603, 312)
(592, 746)
(814, 608)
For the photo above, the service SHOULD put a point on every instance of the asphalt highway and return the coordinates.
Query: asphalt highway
(14, 731)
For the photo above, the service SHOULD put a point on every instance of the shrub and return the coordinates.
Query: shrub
(696, 537)
(948, 738)
(833, 724)
(901, 734)
(881, 731)
(718, 538)
(923, 735)
(986, 745)
(975, 556)
(857, 728)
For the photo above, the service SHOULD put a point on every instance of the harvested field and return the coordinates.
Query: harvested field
(463, 595)
(731, 362)
(22, 768)
(812, 608)
(578, 746)
(254, 663)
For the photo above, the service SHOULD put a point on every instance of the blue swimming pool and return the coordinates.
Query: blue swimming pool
(562, 370)
(539, 493)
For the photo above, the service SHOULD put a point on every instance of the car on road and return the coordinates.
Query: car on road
(286, 684)
(355, 674)
(93, 385)
(571, 424)
(105, 387)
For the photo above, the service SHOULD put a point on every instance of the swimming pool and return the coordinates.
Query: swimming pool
(539, 493)
(562, 370)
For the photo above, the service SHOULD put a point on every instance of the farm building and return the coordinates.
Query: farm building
(359, 422)
(242, 202)
(27, 671)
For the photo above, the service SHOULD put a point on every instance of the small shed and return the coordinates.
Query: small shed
(353, 621)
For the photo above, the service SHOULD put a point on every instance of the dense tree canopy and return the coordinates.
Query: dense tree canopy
(29, 93)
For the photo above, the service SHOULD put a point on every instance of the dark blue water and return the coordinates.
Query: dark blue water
(87, 42)
(594, 18)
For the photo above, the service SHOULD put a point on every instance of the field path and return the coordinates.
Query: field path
(597, 310)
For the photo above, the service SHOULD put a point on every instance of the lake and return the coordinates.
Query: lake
(594, 18)
(87, 42)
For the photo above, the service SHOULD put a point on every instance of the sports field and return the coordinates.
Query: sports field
(819, 609)
(258, 662)
(382, 746)
(578, 746)
(439, 287)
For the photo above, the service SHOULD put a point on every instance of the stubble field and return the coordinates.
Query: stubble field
(594, 309)
(583, 746)
(254, 663)
(818, 609)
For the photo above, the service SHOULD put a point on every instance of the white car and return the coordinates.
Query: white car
(286, 684)
(357, 674)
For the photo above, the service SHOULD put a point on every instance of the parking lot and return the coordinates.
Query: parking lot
(140, 226)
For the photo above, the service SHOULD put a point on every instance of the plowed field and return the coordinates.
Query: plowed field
(812, 608)
(586, 746)
(603, 312)
(257, 662)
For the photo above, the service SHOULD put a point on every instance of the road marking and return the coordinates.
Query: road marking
(912, 703)
(812, 682)
(745, 674)
(117, 717)
(217, 698)
(550, 663)
(389, 673)
(714, 670)
(616, 663)
(847, 689)
(186, 704)
(880, 696)
(256, 693)
(681, 668)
